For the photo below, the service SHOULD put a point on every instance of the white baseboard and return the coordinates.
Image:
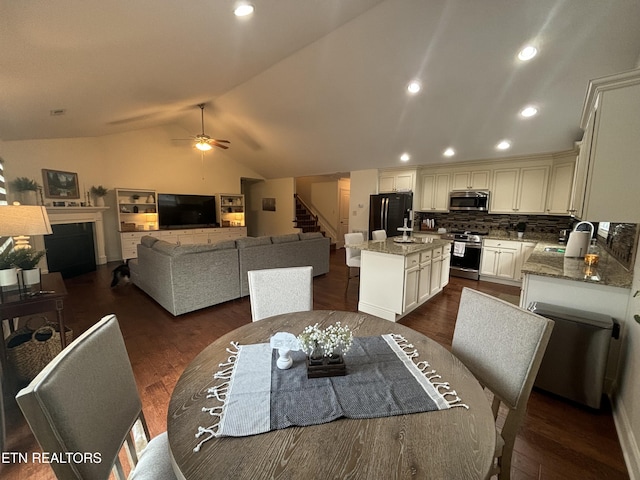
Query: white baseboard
(628, 441)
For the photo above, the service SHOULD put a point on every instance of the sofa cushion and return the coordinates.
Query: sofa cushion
(292, 237)
(164, 247)
(247, 242)
(148, 241)
(224, 245)
(310, 235)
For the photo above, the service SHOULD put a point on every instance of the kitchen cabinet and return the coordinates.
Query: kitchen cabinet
(436, 271)
(610, 149)
(526, 249)
(470, 180)
(434, 192)
(396, 181)
(499, 258)
(560, 188)
(521, 190)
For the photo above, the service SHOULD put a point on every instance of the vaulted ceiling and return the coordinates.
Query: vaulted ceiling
(305, 87)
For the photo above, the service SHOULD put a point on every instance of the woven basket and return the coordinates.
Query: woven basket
(29, 350)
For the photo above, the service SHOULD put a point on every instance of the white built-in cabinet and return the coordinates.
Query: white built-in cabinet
(471, 180)
(536, 185)
(396, 181)
(560, 188)
(434, 192)
(520, 190)
(608, 165)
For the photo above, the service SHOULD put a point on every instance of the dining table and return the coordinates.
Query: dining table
(457, 442)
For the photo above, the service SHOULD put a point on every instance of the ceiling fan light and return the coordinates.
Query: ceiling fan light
(243, 9)
(203, 146)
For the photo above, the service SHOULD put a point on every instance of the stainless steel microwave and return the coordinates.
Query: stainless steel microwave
(469, 200)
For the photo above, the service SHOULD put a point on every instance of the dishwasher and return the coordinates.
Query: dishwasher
(575, 361)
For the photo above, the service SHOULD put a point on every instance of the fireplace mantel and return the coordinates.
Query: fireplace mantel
(62, 215)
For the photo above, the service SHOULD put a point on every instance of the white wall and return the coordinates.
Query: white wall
(146, 159)
(364, 183)
(627, 398)
(260, 222)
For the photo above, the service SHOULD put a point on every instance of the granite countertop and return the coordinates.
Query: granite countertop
(554, 264)
(393, 248)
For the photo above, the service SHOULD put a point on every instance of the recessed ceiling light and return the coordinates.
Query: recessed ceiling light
(449, 152)
(405, 157)
(527, 53)
(243, 9)
(503, 145)
(529, 111)
(414, 87)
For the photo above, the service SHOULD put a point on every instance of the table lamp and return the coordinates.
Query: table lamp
(22, 221)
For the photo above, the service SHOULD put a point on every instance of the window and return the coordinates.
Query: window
(5, 242)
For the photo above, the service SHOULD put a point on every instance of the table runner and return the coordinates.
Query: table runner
(382, 379)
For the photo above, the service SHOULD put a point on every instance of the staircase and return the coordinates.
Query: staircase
(307, 221)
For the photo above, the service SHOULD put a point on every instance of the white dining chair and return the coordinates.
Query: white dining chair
(280, 290)
(352, 255)
(379, 235)
(502, 345)
(86, 400)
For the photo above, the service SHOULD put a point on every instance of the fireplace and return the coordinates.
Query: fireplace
(91, 218)
(70, 249)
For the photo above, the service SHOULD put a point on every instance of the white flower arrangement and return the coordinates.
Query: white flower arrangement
(334, 338)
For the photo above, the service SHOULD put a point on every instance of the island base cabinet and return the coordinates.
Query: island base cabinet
(393, 285)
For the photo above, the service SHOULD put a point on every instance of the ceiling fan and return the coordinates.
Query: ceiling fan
(204, 142)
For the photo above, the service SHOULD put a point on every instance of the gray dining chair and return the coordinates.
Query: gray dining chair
(352, 255)
(86, 400)
(379, 235)
(502, 345)
(280, 290)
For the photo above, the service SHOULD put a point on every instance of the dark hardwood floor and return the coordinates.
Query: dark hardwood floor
(558, 440)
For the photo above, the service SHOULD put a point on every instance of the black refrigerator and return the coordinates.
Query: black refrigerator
(387, 211)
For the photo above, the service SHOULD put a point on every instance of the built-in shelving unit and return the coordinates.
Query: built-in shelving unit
(137, 209)
(231, 210)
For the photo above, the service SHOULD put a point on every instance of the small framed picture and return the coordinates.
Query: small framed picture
(59, 184)
(269, 204)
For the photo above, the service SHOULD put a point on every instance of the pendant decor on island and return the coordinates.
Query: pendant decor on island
(325, 349)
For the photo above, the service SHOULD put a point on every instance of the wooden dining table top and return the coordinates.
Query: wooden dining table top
(456, 443)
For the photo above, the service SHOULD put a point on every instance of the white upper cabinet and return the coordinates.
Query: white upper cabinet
(559, 198)
(470, 180)
(611, 150)
(434, 192)
(396, 181)
(520, 190)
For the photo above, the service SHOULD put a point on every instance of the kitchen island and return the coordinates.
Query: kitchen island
(551, 278)
(396, 278)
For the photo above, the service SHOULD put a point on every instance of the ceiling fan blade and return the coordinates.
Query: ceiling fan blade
(218, 145)
(221, 141)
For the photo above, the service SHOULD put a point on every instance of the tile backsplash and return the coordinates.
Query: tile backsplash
(621, 242)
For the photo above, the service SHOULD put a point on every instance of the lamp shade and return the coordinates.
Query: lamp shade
(24, 220)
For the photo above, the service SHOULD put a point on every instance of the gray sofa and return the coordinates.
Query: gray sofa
(184, 278)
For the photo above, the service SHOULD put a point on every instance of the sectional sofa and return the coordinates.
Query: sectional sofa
(184, 278)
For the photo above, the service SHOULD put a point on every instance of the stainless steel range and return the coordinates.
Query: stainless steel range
(465, 253)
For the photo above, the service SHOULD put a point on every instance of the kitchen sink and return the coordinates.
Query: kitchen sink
(554, 249)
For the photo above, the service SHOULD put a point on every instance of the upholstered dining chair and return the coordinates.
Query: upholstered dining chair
(379, 235)
(280, 290)
(86, 400)
(352, 255)
(502, 345)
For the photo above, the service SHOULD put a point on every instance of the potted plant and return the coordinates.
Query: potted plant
(520, 228)
(99, 193)
(8, 271)
(26, 189)
(27, 260)
(135, 198)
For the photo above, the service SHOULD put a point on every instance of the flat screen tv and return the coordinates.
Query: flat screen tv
(186, 210)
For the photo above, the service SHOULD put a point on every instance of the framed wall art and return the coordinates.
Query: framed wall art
(59, 184)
